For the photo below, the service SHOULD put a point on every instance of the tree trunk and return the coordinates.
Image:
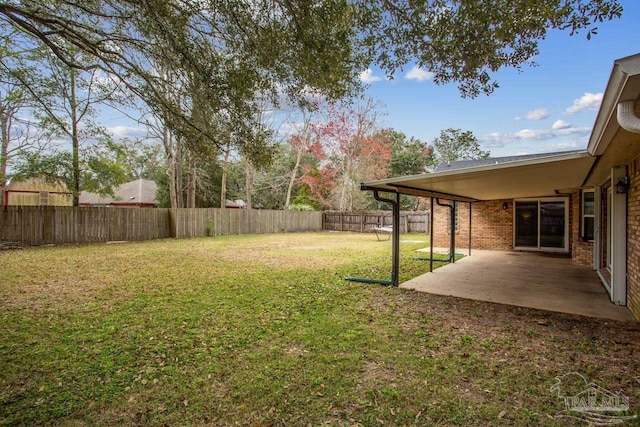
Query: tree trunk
(250, 176)
(342, 204)
(75, 139)
(4, 153)
(292, 180)
(179, 178)
(171, 171)
(223, 183)
(191, 184)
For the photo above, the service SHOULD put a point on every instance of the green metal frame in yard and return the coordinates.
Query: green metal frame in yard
(395, 243)
(395, 234)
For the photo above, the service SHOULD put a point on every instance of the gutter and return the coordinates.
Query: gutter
(606, 126)
(627, 117)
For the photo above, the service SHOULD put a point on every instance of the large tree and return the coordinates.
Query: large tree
(466, 41)
(455, 144)
(14, 130)
(102, 167)
(17, 130)
(302, 143)
(222, 52)
(409, 156)
(228, 51)
(67, 100)
(355, 149)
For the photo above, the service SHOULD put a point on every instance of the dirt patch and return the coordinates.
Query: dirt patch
(552, 341)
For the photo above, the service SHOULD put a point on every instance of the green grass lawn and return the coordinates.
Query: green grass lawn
(264, 330)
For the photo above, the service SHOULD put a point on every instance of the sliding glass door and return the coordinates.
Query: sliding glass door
(541, 224)
(526, 224)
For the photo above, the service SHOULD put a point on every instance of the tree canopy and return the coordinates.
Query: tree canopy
(201, 64)
(454, 144)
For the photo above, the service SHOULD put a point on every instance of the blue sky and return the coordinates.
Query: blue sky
(551, 107)
(547, 108)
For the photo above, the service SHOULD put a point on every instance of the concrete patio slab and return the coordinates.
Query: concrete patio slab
(533, 280)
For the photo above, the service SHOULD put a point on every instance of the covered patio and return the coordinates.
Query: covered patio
(533, 280)
(534, 275)
(533, 210)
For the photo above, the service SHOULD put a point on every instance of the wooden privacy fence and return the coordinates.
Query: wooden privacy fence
(223, 222)
(42, 225)
(362, 222)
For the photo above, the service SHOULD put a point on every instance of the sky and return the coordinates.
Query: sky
(548, 108)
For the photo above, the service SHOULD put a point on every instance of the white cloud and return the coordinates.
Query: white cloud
(127, 131)
(563, 146)
(560, 124)
(499, 139)
(288, 129)
(417, 73)
(528, 134)
(588, 101)
(537, 114)
(367, 76)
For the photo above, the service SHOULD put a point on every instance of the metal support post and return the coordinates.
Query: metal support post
(395, 246)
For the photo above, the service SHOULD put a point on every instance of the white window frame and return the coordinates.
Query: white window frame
(583, 215)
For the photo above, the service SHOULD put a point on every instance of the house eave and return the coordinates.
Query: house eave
(617, 90)
(507, 165)
(497, 181)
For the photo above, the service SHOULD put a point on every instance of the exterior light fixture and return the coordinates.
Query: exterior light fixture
(505, 206)
(622, 186)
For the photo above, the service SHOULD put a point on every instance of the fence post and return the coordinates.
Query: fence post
(173, 223)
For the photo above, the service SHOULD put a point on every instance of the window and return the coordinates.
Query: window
(588, 215)
(541, 224)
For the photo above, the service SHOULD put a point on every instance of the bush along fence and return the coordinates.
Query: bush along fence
(362, 222)
(43, 225)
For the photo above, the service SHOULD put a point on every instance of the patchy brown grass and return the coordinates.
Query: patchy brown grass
(263, 330)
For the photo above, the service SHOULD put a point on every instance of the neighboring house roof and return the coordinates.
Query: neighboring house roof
(465, 164)
(87, 198)
(238, 204)
(134, 193)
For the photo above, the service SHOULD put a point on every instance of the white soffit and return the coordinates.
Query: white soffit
(539, 177)
(623, 85)
(613, 145)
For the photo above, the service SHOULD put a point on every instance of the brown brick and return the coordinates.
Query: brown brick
(633, 239)
(492, 226)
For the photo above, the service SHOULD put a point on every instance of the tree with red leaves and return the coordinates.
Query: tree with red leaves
(356, 151)
(302, 142)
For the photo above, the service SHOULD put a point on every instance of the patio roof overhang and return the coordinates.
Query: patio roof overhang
(609, 142)
(539, 177)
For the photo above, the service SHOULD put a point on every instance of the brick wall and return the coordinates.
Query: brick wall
(581, 251)
(493, 230)
(492, 226)
(633, 238)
